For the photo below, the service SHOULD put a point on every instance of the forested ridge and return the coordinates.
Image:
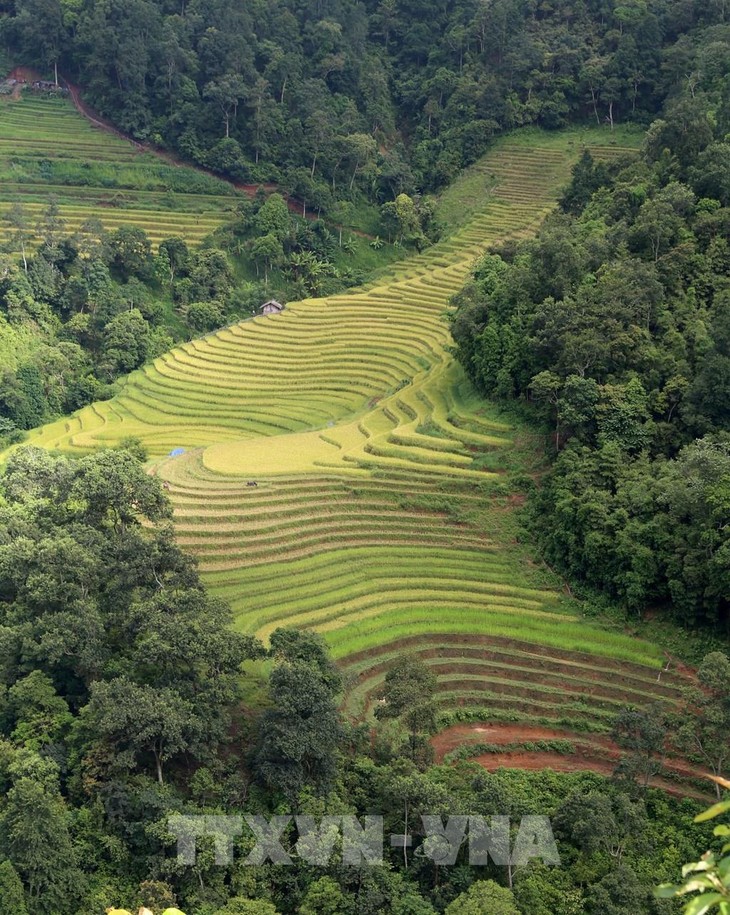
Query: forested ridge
(613, 326)
(333, 97)
(358, 110)
(127, 694)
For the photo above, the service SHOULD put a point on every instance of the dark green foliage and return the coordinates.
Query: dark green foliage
(84, 332)
(41, 717)
(618, 893)
(30, 407)
(484, 897)
(12, 900)
(156, 895)
(175, 255)
(408, 221)
(35, 837)
(242, 906)
(95, 307)
(373, 99)
(541, 890)
(609, 823)
(324, 897)
(644, 530)
(126, 343)
(89, 594)
(613, 326)
(710, 175)
(300, 735)
(115, 665)
(407, 683)
(138, 719)
(203, 316)
(299, 645)
(704, 725)
(133, 446)
(131, 252)
(408, 695)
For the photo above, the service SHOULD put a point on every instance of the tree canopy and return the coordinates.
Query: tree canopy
(611, 327)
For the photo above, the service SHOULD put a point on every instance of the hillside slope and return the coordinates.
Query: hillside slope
(48, 148)
(377, 515)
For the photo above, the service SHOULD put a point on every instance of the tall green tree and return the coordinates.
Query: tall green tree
(484, 897)
(408, 694)
(134, 719)
(42, 30)
(35, 838)
(643, 734)
(705, 722)
(300, 735)
(12, 898)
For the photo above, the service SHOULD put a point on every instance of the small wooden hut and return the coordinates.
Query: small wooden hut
(272, 307)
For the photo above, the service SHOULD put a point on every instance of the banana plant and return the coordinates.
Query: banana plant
(710, 876)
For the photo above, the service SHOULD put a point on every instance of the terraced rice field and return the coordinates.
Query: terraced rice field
(47, 148)
(378, 516)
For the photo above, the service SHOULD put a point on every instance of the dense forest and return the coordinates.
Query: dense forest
(613, 324)
(127, 698)
(332, 97)
(122, 705)
(343, 105)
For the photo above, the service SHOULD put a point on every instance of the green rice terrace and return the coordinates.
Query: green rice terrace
(379, 516)
(48, 148)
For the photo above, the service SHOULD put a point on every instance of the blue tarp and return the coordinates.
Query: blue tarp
(176, 452)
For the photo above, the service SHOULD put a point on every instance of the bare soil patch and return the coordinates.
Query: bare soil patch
(593, 753)
(452, 738)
